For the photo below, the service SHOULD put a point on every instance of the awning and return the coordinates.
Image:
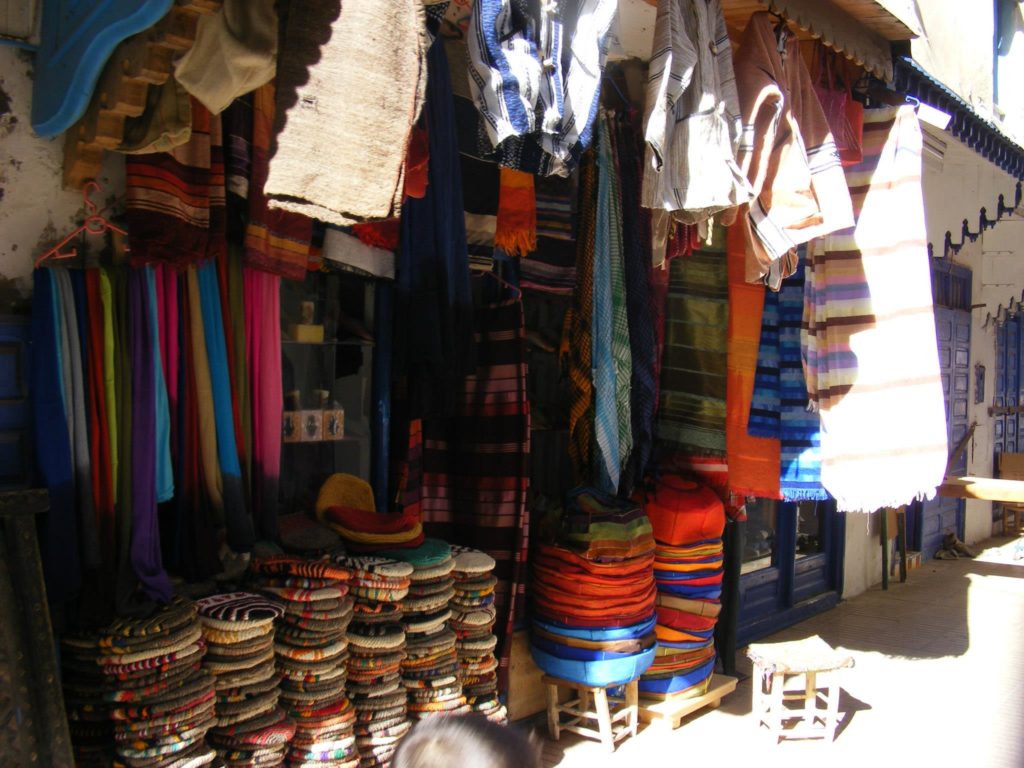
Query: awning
(862, 30)
(971, 128)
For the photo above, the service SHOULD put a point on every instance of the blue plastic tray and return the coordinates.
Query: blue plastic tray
(632, 632)
(577, 654)
(678, 682)
(594, 673)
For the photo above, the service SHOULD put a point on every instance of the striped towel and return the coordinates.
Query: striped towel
(869, 348)
(779, 408)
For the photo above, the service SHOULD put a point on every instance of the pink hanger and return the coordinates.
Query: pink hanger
(93, 224)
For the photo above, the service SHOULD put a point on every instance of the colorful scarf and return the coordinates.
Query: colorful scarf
(778, 409)
(753, 461)
(516, 232)
(869, 347)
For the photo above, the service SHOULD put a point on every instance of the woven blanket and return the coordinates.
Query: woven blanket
(351, 80)
(870, 350)
(691, 411)
(779, 409)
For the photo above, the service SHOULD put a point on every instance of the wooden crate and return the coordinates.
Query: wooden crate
(670, 710)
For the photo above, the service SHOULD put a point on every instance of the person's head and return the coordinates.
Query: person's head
(469, 741)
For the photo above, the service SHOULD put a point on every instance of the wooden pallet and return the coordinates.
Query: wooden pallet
(138, 62)
(670, 710)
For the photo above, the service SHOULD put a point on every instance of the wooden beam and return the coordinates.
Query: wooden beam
(984, 488)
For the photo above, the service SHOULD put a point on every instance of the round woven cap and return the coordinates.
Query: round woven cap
(432, 587)
(257, 674)
(175, 643)
(427, 624)
(434, 682)
(430, 553)
(477, 646)
(243, 692)
(412, 677)
(389, 637)
(430, 644)
(372, 567)
(300, 673)
(299, 595)
(299, 567)
(379, 594)
(381, 702)
(253, 645)
(472, 561)
(385, 733)
(475, 618)
(375, 689)
(237, 634)
(434, 572)
(326, 653)
(239, 664)
(476, 587)
(162, 622)
(238, 606)
(238, 711)
(315, 607)
(377, 613)
(428, 603)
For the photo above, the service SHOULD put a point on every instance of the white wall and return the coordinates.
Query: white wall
(34, 210)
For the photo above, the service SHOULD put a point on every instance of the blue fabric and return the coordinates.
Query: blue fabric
(684, 576)
(59, 528)
(434, 347)
(240, 531)
(632, 632)
(687, 646)
(577, 654)
(595, 673)
(164, 470)
(779, 406)
(696, 593)
(678, 682)
(606, 418)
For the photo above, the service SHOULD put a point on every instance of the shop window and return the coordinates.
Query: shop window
(762, 520)
(809, 516)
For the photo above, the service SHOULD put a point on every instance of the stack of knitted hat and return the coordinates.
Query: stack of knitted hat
(473, 617)
(312, 656)
(251, 728)
(688, 520)
(87, 700)
(345, 504)
(594, 593)
(162, 702)
(430, 671)
(377, 642)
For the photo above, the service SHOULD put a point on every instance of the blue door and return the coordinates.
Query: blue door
(15, 414)
(941, 515)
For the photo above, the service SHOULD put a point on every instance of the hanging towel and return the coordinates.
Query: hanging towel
(516, 229)
(579, 322)
(175, 200)
(59, 538)
(779, 408)
(275, 241)
(870, 350)
(351, 79)
(146, 556)
(753, 461)
(787, 152)
(240, 534)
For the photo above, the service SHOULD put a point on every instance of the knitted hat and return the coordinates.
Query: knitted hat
(284, 565)
(425, 624)
(470, 561)
(344, 490)
(162, 622)
(243, 692)
(431, 587)
(312, 654)
(417, 675)
(297, 595)
(429, 603)
(375, 568)
(257, 674)
(239, 634)
(431, 553)
(238, 607)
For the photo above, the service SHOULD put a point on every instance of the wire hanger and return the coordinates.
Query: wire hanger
(93, 224)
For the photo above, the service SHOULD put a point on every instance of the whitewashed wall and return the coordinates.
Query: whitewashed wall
(34, 210)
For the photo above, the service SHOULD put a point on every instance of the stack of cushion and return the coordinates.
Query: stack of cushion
(473, 618)
(377, 644)
(87, 700)
(602, 527)
(430, 671)
(311, 648)
(161, 701)
(593, 619)
(366, 531)
(688, 521)
(251, 729)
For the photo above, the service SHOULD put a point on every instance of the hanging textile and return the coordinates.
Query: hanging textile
(263, 341)
(516, 227)
(59, 544)
(691, 411)
(146, 557)
(642, 336)
(538, 97)
(476, 466)
(240, 533)
(433, 313)
(99, 428)
(692, 123)
(788, 153)
(579, 323)
(350, 81)
(175, 200)
(276, 241)
(162, 430)
(870, 349)
(778, 410)
(753, 461)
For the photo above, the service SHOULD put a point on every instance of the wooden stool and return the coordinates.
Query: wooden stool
(812, 666)
(616, 716)
(1013, 518)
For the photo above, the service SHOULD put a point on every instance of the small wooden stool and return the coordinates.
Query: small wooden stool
(813, 665)
(616, 716)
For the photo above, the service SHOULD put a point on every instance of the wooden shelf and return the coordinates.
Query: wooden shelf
(984, 488)
(670, 711)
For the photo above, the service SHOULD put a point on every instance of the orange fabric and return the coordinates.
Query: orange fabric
(683, 511)
(554, 602)
(669, 635)
(516, 228)
(582, 584)
(567, 561)
(680, 620)
(754, 462)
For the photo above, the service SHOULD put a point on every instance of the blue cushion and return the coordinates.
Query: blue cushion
(579, 654)
(632, 632)
(678, 682)
(594, 673)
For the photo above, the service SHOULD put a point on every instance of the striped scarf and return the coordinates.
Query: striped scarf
(779, 406)
(869, 347)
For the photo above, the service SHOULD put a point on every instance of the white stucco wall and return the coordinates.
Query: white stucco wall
(34, 209)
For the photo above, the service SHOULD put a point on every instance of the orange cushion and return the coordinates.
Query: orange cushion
(682, 511)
